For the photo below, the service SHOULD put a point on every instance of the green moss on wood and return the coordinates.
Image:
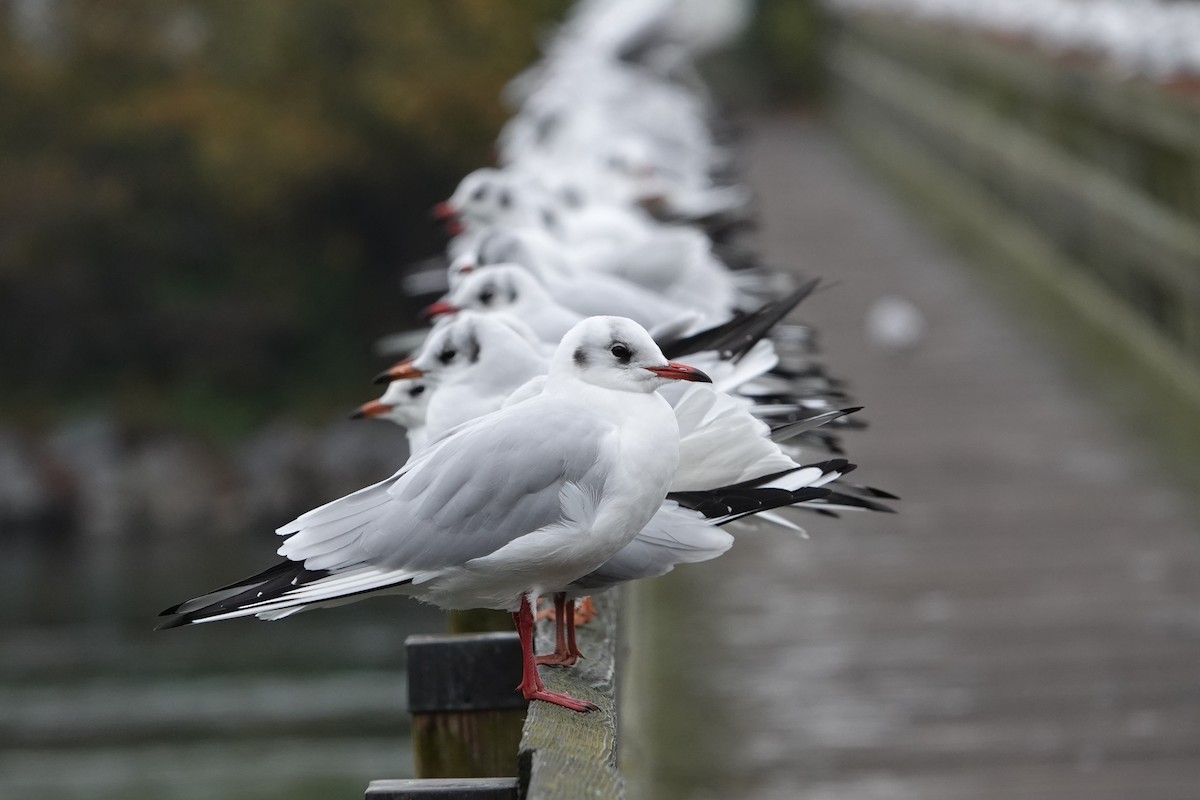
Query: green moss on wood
(475, 744)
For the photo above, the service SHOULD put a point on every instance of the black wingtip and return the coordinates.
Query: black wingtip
(841, 465)
(850, 501)
(733, 339)
(174, 622)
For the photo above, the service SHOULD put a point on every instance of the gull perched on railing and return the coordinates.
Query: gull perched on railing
(512, 505)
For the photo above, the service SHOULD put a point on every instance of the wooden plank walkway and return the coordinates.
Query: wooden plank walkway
(1027, 626)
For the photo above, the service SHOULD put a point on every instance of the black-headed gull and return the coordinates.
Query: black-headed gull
(517, 502)
(514, 290)
(476, 361)
(730, 463)
(579, 290)
(674, 261)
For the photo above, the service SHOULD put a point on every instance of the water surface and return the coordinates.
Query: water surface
(94, 703)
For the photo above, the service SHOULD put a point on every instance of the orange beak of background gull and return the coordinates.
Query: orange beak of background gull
(448, 215)
(399, 372)
(371, 409)
(680, 372)
(438, 309)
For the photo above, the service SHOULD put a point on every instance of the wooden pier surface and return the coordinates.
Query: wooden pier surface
(1027, 626)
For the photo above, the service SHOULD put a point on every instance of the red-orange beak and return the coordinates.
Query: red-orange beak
(440, 308)
(448, 215)
(680, 372)
(371, 409)
(399, 372)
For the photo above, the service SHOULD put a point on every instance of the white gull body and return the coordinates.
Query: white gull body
(510, 505)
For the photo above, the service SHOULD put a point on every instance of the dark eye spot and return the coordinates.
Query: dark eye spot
(417, 390)
(505, 199)
(621, 352)
(549, 218)
(486, 295)
(479, 193)
(447, 355)
(580, 356)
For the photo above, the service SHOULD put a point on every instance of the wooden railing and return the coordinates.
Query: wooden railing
(474, 738)
(1082, 190)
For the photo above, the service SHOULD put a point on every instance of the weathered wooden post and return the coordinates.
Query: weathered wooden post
(467, 713)
(468, 719)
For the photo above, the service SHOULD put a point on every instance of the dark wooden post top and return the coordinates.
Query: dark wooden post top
(471, 672)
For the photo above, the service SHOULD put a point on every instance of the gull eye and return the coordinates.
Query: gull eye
(486, 296)
(417, 390)
(621, 353)
(479, 193)
(447, 355)
(505, 199)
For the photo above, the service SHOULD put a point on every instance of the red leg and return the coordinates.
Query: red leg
(531, 686)
(565, 652)
(572, 649)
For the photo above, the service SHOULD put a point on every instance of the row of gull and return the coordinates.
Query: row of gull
(599, 398)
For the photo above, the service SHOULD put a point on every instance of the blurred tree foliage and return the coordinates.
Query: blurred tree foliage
(784, 40)
(777, 62)
(204, 206)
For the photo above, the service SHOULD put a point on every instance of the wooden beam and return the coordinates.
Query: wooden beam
(566, 755)
(1146, 372)
(1004, 150)
(1132, 107)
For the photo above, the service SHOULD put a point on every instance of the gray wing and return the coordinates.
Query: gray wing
(467, 495)
(673, 536)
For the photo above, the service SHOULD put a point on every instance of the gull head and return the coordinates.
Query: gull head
(489, 198)
(403, 402)
(469, 341)
(489, 249)
(499, 287)
(505, 247)
(617, 353)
